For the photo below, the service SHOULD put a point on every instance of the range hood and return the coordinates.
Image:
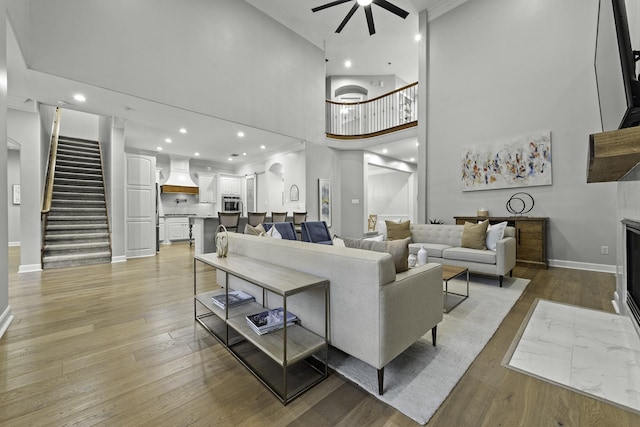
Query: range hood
(179, 180)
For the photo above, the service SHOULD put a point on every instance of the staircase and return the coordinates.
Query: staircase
(76, 228)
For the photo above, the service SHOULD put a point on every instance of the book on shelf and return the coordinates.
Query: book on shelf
(270, 320)
(235, 298)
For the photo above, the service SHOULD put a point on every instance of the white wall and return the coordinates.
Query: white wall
(499, 69)
(323, 162)
(24, 127)
(77, 124)
(221, 58)
(5, 310)
(388, 192)
(270, 195)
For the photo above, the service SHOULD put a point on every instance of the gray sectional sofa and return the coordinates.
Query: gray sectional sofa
(374, 313)
(443, 245)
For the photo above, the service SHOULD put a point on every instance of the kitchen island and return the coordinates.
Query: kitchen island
(204, 232)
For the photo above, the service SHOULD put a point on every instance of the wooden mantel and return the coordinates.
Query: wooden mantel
(613, 154)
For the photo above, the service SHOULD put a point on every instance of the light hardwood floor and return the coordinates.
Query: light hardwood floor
(116, 345)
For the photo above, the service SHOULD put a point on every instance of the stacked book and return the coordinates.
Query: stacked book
(270, 320)
(236, 298)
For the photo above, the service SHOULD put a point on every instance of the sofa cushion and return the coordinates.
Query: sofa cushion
(470, 255)
(433, 249)
(474, 236)
(398, 231)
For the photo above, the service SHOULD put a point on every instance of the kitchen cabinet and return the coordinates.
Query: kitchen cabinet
(230, 184)
(178, 228)
(531, 237)
(206, 188)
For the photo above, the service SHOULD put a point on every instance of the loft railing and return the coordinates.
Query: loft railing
(387, 113)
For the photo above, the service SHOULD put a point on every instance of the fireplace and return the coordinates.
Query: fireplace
(632, 268)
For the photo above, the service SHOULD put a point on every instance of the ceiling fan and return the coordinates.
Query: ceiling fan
(367, 10)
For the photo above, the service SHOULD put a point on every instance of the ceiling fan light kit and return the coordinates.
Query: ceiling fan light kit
(367, 11)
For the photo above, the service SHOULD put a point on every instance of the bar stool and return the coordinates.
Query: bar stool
(230, 220)
(256, 218)
(299, 218)
(279, 216)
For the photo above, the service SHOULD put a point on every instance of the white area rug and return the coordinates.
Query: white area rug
(588, 351)
(420, 379)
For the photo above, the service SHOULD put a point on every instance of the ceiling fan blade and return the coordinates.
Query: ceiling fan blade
(346, 18)
(372, 28)
(325, 6)
(392, 8)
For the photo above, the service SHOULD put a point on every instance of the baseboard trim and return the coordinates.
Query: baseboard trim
(117, 259)
(603, 268)
(13, 244)
(5, 320)
(29, 268)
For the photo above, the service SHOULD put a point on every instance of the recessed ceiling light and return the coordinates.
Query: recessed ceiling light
(364, 2)
(347, 63)
(196, 154)
(262, 147)
(230, 158)
(159, 148)
(418, 37)
(413, 159)
(240, 134)
(417, 144)
(385, 151)
(79, 97)
(168, 140)
(183, 130)
(244, 154)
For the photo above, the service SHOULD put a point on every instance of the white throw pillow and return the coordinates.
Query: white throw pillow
(337, 241)
(495, 232)
(273, 232)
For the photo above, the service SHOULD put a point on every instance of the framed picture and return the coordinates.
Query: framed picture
(524, 161)
(16, 194)
(294, 195)
(324, 200)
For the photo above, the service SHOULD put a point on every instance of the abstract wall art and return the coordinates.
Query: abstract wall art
(523, 162)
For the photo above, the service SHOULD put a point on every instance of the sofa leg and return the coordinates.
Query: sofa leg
(501, 277)
(511, 273)
(434, 334)
(380, 380)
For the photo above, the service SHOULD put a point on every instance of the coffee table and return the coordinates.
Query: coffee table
(452, 299)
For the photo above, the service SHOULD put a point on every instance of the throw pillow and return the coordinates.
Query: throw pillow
(398, 231)
(495, 232)
(474, 236)
(337, 241)
(254, 231)
(273, 232)
(399, 250)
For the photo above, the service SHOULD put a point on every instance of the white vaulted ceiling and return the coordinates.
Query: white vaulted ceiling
(128, 79)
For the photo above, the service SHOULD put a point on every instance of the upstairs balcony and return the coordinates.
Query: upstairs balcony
(394, 111)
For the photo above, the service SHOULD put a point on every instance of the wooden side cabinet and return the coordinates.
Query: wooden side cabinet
(531, 237)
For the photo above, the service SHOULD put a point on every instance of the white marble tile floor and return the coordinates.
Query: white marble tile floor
(590, 351)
